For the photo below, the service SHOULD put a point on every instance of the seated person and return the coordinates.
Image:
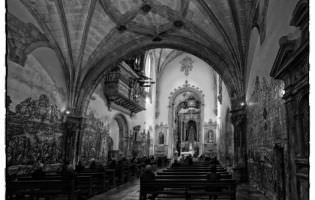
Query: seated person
(39, 171)
(213, 177)
(93, 164)
(79, 167)
(175, 164)
(68, 171)
(149, 176)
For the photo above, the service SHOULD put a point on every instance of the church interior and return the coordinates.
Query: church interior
(102, 94)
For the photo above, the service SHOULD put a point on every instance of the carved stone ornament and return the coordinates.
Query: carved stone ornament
(186, 65)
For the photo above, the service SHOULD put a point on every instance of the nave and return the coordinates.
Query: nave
(131, 190)
(98, 89)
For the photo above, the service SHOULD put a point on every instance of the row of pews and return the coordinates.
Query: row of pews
(79, 185)
(189, 182)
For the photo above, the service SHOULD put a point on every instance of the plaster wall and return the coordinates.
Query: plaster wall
(200, 76)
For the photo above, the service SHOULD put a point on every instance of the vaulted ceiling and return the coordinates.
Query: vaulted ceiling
(91, 35)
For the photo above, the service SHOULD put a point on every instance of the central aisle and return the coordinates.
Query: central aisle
(128, 191)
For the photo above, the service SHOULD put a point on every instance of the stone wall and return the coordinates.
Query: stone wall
(266, 137)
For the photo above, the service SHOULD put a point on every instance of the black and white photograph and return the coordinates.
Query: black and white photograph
(156, 99)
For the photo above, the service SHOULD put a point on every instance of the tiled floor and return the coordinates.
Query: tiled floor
(130, 191)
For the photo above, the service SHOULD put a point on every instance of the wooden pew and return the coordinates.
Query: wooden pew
(41, 188)
(100, 178)
(188, 188)
(189, 176)
(110, 173)
(86, 184)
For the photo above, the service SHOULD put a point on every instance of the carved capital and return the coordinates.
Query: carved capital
(238, 116)
(73, 123)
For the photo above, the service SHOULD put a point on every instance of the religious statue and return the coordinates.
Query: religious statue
(191, 134)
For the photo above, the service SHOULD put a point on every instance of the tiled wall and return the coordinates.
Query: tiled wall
(266, 133)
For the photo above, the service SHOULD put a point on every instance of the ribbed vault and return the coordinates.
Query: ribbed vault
(89, 36)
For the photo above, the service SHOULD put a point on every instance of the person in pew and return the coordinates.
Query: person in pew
(175, 164)
(79, 167)
(195, 158)
(68, 171)
(93, 164)
(213, 177)
(149, 176)
(39, 171)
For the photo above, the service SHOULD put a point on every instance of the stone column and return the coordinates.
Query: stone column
(238, 119)
(292, 143)
(73, 125)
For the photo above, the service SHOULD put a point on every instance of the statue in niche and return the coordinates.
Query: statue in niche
(191, 132)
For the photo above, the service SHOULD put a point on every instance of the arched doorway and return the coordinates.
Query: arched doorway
(119, 135)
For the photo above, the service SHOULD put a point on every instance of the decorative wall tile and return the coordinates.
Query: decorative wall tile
(266, 130)
(34, 132)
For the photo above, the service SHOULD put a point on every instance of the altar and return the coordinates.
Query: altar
(188, 120)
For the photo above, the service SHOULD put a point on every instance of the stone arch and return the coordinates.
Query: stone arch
(200, 96)
(216, 59)
(123, 133)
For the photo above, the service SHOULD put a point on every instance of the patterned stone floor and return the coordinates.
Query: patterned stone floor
(130, 191)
